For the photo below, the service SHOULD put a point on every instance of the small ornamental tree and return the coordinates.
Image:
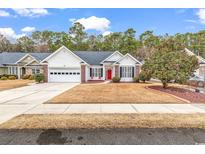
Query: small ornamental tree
(39, 77)
(169, 64)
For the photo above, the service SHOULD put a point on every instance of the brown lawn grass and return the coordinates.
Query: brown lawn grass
(114, 93)
(93, 121)
(10, 84)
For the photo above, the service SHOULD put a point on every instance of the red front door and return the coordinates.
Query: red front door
(109, 74)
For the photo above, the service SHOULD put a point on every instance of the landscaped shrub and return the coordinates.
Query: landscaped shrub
(11, 77)
(116, 79)
(4, 78)
(136, 79)
(4, 75)
(31, 77)
(16, 76)
(142, 77)
(39, 77)
(26, 76)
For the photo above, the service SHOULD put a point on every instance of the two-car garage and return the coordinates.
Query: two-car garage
(64, 75)
(63, 66)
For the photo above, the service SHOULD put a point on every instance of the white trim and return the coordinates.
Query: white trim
(189, 52)
(130, 57)
(24, 58)
(111, 56)
(63, 47)
(31, 62)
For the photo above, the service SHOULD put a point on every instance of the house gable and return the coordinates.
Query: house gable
(128, 60)
(63, 58)
(26, 59)
(34, 62)
(114, 57)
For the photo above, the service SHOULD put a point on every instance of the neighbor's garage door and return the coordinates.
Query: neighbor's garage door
(64, 75)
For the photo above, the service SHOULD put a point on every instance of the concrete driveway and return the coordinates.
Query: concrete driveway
(17, 101)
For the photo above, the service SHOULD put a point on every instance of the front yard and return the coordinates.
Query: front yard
(10, 84)
(114, 93)
(93, 121)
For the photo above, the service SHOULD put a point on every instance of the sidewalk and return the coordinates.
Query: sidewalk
(116, 108)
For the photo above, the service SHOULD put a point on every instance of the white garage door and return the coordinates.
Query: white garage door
(64, 75)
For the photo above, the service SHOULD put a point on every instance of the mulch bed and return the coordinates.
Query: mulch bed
(193, 97)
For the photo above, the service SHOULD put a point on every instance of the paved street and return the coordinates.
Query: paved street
(20, 100)
(104, 136)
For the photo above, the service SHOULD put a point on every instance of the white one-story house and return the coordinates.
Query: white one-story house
(64, 65)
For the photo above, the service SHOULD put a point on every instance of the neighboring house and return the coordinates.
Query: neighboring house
(200, 72)
(66, 66)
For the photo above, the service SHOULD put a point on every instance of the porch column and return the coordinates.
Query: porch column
(19, 72)
(83, 73)
(45, 72)
(137, 70)
(117, 74)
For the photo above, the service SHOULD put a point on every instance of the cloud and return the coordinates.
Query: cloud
(190, 27)
(201, 15)
(4, 13)
(10, 34)
(72, 20)
(28, 29)
(31, 12)
(190, 20)
(94, 23)
(106, 33)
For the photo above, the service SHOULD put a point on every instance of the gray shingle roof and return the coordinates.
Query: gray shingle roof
(91, 57)
(13, 57)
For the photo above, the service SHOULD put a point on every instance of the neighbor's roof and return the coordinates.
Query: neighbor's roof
(13, 57)
(93, 57)
(200, 59)
(90, 57)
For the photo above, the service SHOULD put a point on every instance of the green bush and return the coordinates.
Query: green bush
(136, 79)
(116, 79)
(4, 78)
(142, 77)
(11, 77)
(31, 77)
(39, 77)
(26, 76)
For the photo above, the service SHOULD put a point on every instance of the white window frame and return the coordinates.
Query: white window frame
(35, 70)
(13, 70)
(96, 72)
(127, 71)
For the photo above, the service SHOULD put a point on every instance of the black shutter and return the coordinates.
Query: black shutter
(133, 70)
(101, 72)
(120, 71)
(90, 72)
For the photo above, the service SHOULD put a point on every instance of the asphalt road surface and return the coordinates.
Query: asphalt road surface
(103, 136)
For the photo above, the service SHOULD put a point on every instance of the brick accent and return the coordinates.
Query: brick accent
(45, 72)
(83, 73)
(117, 73)
(137, 68)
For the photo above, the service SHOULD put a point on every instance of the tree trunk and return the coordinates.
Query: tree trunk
(165, 85)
